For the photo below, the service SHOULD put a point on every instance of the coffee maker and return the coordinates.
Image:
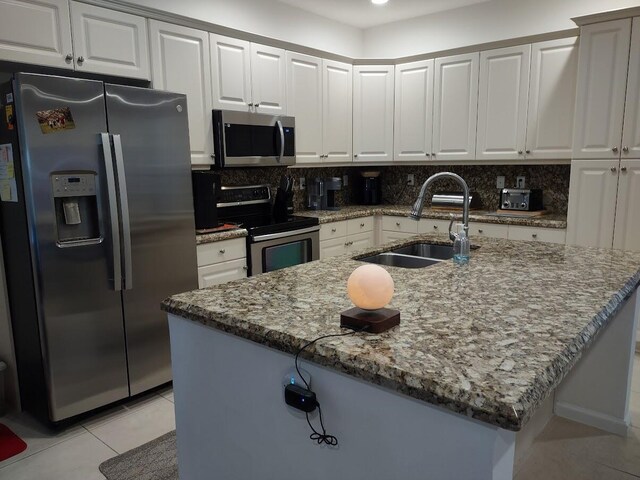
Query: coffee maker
(369, 188)
(322, 193)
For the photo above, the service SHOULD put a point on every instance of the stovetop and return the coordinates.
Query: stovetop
(266, 224)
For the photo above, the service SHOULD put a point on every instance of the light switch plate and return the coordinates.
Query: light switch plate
(411, 179)
(500, 182)
(303, 183)
(345, 180)
(520, 182)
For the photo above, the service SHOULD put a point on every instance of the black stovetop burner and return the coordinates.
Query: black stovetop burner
(266, 224)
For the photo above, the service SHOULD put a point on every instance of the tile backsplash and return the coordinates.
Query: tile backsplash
(553, 179)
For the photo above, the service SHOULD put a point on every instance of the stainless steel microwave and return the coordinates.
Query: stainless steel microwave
(243, 139)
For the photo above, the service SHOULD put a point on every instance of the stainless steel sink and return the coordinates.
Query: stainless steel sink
(391, 259)
(427, 250)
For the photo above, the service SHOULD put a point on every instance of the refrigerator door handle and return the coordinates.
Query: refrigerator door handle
(124, 211)
(113, 211)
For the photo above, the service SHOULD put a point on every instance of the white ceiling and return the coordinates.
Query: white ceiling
(363, 14)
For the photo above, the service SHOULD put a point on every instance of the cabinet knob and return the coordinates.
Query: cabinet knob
(534, 235)
(250, 105)
(480, 230)
(433, 154)
(212, 156)
(333, 230)
(222, 250)
(435, 227)
(613, 169)
(69, 58)
(527, 152)
(355, 155)
(397, 224)
(346, 244)
(520, 152)
(614, 149)
(257, 105)
(362, 225)
(80, 59)
(245, 268)
(623, 169)
(625, 149)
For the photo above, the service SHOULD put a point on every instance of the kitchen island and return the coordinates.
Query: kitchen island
(484, 354)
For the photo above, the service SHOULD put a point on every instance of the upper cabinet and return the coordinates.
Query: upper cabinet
(552, 93)
(176, 50)
(631, 128)
(602, 73)
(413, 111)
(109, 42)
(455, 107)
(247, 77)
(36, 31)
(502, 103)
(373, 93)
(337, 111)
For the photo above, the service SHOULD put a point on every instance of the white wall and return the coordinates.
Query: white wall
(271, 19)
(479, 23)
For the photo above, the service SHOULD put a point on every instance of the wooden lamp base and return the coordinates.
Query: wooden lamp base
(377, 321)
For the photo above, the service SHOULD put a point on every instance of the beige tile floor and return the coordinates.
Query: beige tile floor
(564, 451)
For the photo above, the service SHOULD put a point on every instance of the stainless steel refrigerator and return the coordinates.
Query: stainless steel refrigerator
(97, 229)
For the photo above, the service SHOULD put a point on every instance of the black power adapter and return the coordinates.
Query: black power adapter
(300, 398)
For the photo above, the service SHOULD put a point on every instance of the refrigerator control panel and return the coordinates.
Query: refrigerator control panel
(75, 185)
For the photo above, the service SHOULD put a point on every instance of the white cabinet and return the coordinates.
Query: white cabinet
(333, 247)
(430, 225)
(399, 224)
(37, 32)
(373, 113)
(180, 58)
(224, 272)
(602, 73)
(337, 238)
(304, 102)
(221, 262)
(536, 234)
(592, 203)
(413, 111)
(490, 230)
(502, 103)
(109, 42)
(455, 107)
(626, 234)
(552, 93)
(337, 111)
(247, 76)
(631, 129)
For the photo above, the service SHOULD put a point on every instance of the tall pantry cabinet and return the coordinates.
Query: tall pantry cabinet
(604, 192)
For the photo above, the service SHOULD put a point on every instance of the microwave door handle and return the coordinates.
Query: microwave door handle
(113, 211)
(281, 130)
(124, 211)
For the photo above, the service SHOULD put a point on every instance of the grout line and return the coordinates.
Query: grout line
(102, 441)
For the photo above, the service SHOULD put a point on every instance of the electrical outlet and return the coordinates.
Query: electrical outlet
(520, 182)
(500, 182)
(345, 180)
(411, 179)
(303, 183)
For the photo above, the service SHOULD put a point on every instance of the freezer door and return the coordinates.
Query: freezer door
(79, 310)
(151, 146)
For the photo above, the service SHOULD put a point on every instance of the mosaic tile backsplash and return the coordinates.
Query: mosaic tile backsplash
(553, 179)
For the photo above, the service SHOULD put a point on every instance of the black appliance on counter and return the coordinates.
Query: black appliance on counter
(273, 242)
(322, 193)
(369, 188)
(283, 204)
(521, 199)
(206, 194)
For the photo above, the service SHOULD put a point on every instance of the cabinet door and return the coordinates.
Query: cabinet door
(592, 203)
(373, 113)
(627, 229)
(455, 107)
(231, 72)
(222, 273)
(533, 234)
(333, 247)
(110, 42)
(337, 111)
(490, 230)
(552, 98)
(502, 103)
(602, 80)
(174, 51)
(36, 31)
(268, 79)
(631, 128)
(304, 102)
(395, 236)
(360, 241)
(413, 111)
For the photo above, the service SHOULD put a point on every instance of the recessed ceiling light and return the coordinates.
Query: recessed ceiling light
(379, 2)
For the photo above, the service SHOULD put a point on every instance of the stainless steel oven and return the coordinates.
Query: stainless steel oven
(273, 251)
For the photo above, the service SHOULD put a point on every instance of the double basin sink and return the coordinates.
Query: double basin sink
(418, 255)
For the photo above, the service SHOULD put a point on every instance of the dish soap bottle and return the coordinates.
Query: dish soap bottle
(461, 246)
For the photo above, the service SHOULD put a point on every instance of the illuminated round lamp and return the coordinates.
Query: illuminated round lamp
(370, 288)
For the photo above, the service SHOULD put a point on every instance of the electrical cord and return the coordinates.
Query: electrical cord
(316, 436)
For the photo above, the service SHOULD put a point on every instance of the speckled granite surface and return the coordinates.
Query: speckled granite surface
(490, 340)
(216, 237)
(551, 220)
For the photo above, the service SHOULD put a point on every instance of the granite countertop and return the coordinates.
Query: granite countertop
(549, 220)
(490, 340)
(219, 236)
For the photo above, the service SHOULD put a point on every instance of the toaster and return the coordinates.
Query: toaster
(521, 199)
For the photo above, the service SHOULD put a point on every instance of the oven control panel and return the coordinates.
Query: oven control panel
(244, 195)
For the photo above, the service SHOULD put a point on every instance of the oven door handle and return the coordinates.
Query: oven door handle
(281, 130)
(290, 233)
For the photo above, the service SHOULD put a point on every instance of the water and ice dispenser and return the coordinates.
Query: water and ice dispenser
(76, 207)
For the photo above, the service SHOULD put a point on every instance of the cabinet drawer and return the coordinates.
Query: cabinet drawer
(359, 225)
(333, 230)
(222, 272)
(551, 235)
(399, 224)
(426, 225)
(360, 241)
(333, 247)
(488, 230)
(223, 251)
(393, 236)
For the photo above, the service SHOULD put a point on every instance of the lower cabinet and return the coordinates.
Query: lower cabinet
(338, 238)
(488, 230)
(221, 262)
(550, 235)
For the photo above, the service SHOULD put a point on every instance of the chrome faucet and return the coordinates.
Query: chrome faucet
(416, 210)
